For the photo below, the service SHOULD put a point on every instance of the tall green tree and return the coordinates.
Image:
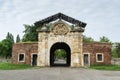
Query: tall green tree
(10, 37)
(87, 39)
(104, 39)
(30, 33)
(6, 46)
(17, 38)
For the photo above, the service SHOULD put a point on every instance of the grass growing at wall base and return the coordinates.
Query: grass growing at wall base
(106, 67)
(10, 66)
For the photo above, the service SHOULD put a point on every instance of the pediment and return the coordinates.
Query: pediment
(60, 16)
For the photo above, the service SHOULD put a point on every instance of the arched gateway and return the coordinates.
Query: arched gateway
(65, 33)
(60, 46)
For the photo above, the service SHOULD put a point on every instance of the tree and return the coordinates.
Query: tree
(6, 46)
(87, 39)
(118, 49)
(60, 54)
(10, 37)
(1, 48)
(17, 38)
(30, 33)
(104, 39)
(114, 50)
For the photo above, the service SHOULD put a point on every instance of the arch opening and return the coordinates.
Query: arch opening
(60, 54)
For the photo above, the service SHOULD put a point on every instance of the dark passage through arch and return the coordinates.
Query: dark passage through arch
(60, 46)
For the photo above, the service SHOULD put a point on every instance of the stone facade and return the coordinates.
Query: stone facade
(48, 38)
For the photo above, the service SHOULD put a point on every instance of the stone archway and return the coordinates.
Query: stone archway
(64, 33)
(64, 46)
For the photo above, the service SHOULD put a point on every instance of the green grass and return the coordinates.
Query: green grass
(106, 67)
(9, 66)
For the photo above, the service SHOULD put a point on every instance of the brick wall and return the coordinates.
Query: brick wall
(94, 48)
(27, 48)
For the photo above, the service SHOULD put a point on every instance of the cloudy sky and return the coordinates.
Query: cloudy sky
(102, 16)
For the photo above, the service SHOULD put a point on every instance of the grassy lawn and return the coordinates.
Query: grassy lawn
(9, 66)
(106, 67)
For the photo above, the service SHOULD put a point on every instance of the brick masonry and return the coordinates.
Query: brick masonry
(92, 48)
(27, 49)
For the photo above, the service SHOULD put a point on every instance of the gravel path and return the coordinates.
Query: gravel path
(59, 74)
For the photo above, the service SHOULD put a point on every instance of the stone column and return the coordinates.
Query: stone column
(76, 55)
(41, 49)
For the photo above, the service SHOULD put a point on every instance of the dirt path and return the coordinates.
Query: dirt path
(59, 74)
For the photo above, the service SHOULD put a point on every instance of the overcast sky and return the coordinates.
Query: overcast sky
(102, 16)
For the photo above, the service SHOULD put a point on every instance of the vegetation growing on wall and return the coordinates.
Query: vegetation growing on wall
(87, 39)
(104, 39)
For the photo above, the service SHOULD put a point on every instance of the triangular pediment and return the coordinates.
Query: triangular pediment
(60, 16)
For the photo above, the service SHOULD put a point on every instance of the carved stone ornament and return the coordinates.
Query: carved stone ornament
(60, 29)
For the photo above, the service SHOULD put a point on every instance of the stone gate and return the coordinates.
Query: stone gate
(60, 32)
